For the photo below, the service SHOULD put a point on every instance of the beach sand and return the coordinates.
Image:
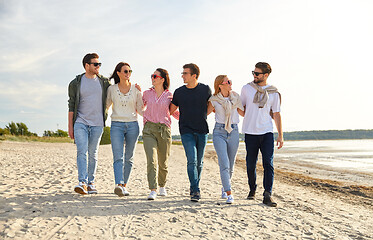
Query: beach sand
(37, 201)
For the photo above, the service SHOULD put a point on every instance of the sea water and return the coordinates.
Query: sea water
(343, 154)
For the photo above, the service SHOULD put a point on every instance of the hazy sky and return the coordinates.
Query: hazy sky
(320, 52)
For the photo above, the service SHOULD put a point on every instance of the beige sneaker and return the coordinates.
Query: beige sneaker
(81, 188)
(91, 189)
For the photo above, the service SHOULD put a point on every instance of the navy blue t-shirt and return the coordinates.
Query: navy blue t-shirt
(192, 103)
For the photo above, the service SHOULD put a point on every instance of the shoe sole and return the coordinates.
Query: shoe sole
(92, 192)
(270, 204)
(80, 191)
(151, 198)
(119, 192)
(251, 198)
(194, 200)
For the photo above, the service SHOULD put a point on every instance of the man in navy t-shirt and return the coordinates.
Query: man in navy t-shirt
(192, 99)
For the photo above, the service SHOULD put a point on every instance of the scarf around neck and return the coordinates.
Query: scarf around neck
(261, 95)
(228, 104)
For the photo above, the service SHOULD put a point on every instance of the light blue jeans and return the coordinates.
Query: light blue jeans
(194, 146)
(123, 133)
(226, 146)
(87, 139)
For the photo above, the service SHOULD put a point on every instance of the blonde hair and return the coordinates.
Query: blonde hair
(218, 81)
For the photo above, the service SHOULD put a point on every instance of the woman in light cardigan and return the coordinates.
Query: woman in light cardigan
(226, 104)
(157, 131)
(127, 103)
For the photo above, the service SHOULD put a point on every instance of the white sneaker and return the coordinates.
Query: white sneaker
(162, 191)
(223, 194)
(152, 195)
(230, 199)
(119, 191)
(126, 193)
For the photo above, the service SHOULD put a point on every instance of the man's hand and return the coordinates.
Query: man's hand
(71, 125)
(71, 133)
(280, 142)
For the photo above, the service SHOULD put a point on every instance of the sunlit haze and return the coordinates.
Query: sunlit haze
(320, 53)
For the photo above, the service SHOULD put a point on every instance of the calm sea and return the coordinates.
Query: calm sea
(343, 154)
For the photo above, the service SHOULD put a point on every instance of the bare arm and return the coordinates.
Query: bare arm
(173, 108)
(242, 113)
(71, 125)
(280, 138)
(108, 99)
(139, 104)
(210, 108)
(138, 87)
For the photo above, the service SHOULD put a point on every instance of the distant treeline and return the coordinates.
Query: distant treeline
(20, 129)
(316, 135)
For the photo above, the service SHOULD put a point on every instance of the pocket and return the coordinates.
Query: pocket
(218, 130)
(146, 129)
(167, 132)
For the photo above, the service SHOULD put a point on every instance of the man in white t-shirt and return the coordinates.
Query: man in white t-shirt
(261, 102)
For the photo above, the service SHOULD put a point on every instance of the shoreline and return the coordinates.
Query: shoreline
(300, 175)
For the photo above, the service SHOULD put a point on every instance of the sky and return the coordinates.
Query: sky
(320, 52)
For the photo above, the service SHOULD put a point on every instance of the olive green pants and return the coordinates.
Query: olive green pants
(157, 143)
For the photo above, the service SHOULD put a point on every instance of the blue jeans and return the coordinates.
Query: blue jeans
(226, 146)
(120, 133)
(194, 146)
(87, 139)
(264, 143)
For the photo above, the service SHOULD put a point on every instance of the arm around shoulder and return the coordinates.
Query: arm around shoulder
(210, 108)
(139, 103)
(173, 108)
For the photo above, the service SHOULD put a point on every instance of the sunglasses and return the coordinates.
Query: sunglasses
(127, 71)
(229, 82)
(184, 73)
(96, 64)
(256, 73)
(155, 76)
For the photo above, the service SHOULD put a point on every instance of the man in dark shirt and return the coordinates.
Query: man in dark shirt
(192, 99)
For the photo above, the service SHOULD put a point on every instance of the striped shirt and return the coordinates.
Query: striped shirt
(158, 108)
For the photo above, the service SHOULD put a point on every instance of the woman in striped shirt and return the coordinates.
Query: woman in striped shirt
(157, 131)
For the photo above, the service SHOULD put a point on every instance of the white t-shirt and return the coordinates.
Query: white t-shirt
(220, 113)
(257, 121)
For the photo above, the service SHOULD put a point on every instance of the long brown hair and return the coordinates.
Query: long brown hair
(218, 81)
(117, 69)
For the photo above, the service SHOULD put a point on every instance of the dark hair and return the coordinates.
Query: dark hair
(117, 69)
(164, 74)
(265, 67)
(194, 69)
(88, 57)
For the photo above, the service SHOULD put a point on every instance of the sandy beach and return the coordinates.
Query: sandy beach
(37, 201)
